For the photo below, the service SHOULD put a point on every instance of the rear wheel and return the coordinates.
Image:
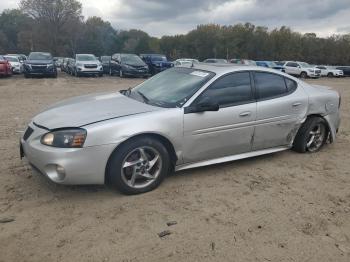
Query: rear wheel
(138, 166)
(330, 75)
(311, 136)
(303, 75)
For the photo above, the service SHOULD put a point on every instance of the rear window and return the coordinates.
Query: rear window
(291, 85)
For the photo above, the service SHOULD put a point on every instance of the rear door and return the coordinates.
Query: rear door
(229, 131)
(292, 68)
(281, 106)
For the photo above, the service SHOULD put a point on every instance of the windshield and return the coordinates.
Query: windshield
(86, 58)
(11, 58)
(302, 64)
(40, 56)
(158, 58)
(131, 59)
(171, 88)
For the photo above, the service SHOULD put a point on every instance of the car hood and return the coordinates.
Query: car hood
(88, 62)
(84, 110)
(33, 62)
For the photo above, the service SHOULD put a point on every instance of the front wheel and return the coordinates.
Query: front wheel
(330, 75)
(311, 136)
(138, 166)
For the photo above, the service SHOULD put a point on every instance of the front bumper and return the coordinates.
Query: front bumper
(135, 72)
(90, 71)
(69, 166)
(49, 71)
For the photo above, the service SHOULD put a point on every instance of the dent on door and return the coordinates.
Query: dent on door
(210, 135)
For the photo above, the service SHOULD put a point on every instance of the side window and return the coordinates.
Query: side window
(269, 85)
(231, 89)
(291, 64)
(291, 85)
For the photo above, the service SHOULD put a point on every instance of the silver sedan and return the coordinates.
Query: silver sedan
(182, 118)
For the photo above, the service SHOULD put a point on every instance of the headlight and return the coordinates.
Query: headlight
(310, 70)
(65, 138)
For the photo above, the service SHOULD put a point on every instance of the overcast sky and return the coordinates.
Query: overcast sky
(168, 17)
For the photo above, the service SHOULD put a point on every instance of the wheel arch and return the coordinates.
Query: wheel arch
(164, 140)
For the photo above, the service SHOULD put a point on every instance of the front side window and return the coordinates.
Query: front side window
(230, 90)
(269, 85)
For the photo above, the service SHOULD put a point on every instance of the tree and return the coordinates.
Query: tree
(51, 17)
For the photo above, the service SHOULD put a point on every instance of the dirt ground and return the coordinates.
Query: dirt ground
(280, 207)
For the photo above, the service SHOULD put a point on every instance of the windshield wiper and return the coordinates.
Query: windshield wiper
(145, 99)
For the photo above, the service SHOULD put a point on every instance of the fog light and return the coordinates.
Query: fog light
(61, 172)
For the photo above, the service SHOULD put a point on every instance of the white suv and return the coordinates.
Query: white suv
(301, 69)
(330, 72)
(87, 64)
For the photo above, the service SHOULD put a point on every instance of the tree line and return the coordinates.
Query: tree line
(58, 26)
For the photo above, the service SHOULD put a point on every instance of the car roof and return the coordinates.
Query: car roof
(221, 69)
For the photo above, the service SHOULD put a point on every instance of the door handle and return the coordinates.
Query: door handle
(243, 114)
(296, 104)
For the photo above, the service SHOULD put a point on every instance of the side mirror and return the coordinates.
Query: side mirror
(203, 105)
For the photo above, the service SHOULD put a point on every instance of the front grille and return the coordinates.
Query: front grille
(90, 66)
(28, 133)
(318, 71)
(38, 67)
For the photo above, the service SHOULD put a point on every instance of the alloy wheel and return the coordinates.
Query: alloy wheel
(316, 137)
(141, 167)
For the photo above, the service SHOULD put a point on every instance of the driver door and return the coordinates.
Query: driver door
(228, 131)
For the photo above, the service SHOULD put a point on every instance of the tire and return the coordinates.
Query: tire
(330, 75)
(100, 74)
(129, 152)
(54, 75)
(303, 75)
(76, 74)
(26, 76)
(304, 136)
(121, 75)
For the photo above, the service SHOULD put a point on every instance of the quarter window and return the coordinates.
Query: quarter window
(291, 85)
(231, 89)
(269, 85)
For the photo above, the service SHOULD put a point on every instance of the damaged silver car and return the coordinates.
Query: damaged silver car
(182, 118)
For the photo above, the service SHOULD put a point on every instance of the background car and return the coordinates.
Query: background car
(185, 62)
(156, 62)
(243, 62)
(128, 65)
(40, 64)
(5, 67)
(345, 69)
(21, 57)
(215, 60)
(330, 72)
(16, 64)
(70, 66)
(269, 64)
(58, 61)
(105, 60)
(64, 64)
(301, 69)
(87, 64)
